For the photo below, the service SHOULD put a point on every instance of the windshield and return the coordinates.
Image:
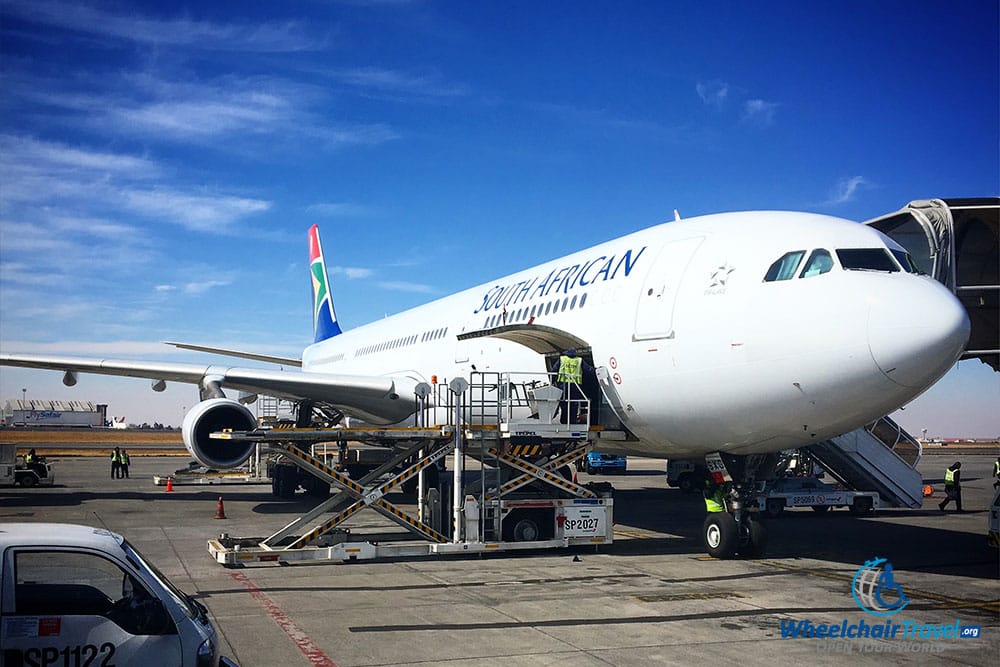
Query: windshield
(784, 267)
(141, 563)
(867, 259)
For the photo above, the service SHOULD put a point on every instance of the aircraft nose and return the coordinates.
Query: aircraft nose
(916, 331)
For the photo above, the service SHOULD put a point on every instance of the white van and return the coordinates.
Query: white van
(75, 595)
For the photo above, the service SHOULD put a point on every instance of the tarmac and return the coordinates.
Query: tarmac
(651, 598)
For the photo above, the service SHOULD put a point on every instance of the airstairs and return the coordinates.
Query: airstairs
(880, 457)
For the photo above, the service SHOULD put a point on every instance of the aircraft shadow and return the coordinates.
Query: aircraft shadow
(836, 536)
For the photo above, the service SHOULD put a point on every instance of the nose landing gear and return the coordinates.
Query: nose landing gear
(737, 530)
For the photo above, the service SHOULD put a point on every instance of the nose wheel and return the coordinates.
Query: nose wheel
(737, 530)
(725, 538)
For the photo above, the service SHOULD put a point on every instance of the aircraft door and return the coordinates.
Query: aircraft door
(655, 310)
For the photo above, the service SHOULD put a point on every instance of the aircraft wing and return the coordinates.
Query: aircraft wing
(377, 399)
(226, 352)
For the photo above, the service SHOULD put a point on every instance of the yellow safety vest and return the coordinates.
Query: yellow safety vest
(996, 468)
(949, 477)
(114, 457)
(570, 369)
(716, 502)
(28, 458)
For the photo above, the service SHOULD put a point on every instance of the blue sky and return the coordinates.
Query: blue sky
(159, 166)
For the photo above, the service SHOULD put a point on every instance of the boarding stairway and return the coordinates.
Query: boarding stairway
(880, 457)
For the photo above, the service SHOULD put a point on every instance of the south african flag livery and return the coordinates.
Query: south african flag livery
(324, 319)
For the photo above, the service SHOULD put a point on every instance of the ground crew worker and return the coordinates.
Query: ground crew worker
(953, 486)
(125, 460)
(570, 376)
(996, 473)
(116, 463)
(29, 458)
(715, 497)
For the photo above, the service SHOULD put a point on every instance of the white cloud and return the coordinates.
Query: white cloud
(197, 212)
(428, 84)
(165, 288)
(713, 93)
(759, 112)
(401, 286)
(846, 190)
(351, 272)
(340, 210)
(204, 286)
(186, 32)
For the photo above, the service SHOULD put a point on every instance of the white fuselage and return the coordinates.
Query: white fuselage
(704, 353)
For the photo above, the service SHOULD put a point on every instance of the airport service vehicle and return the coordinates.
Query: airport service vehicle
(13, 469)
(688, 475)
(810, 492)
(731, 336)
(76, 595)
(599, 462)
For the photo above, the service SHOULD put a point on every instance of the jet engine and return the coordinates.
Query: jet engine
(217, 414)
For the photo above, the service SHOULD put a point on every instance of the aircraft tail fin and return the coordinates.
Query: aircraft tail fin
(324, 318)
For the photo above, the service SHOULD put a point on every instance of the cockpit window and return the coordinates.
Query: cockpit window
(867, 259)
(784, 268)
(905, 261)
(819, 262)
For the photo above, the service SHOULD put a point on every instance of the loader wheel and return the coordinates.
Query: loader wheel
(28, 481)
(720, 535)
(774, 507)
(861, 506)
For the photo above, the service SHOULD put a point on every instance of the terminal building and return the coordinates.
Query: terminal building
(54, 413)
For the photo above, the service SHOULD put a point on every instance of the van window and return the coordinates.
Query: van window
(819, 262)
(784, 268)
(75, 583)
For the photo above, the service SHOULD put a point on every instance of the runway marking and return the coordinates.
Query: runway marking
(313, 653)
(946, 602)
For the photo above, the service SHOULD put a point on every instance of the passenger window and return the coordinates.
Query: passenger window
(819, 262)
(867, 259)
(784, 268)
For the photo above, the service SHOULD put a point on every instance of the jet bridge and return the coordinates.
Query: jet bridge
(880, 457)
(957, 242)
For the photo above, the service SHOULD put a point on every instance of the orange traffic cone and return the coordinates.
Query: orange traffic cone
(928, 491)
(220, 510)
(170, 484)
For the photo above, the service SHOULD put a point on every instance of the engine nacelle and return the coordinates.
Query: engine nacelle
(217, 414)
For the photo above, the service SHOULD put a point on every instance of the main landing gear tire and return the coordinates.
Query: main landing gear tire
(720, 535)
(755, 545)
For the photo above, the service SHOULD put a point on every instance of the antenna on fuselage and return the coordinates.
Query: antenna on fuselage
(677, 215)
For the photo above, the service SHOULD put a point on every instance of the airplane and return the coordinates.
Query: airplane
(733, 335)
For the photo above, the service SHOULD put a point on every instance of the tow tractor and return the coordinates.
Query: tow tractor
(810, 492)
(509, 486)
(14, 471)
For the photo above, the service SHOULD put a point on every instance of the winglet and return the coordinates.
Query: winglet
(324, 318)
